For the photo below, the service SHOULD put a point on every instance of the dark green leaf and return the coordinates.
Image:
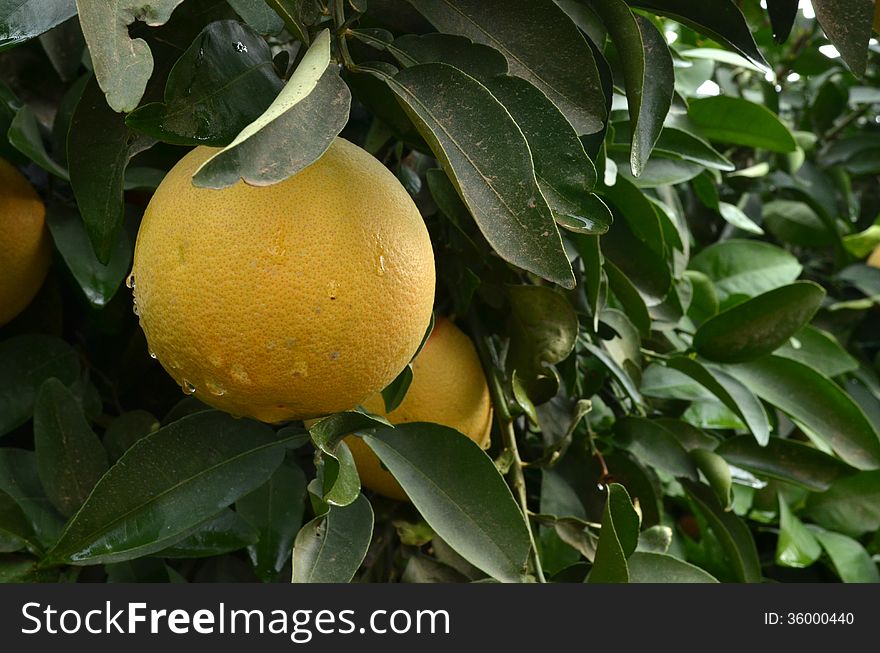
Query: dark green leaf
(122, 65)
(759, 325)
(620, 375)
(732, 533)
(223, 82)
(19, 480)
(746, 267)
(292, 133)
(258, 15)
(645, 567)
(70, 458)
(617, 539)
(704, 300)
(786, 460)
(127, 429)
(21, 20)
(395, 392)
(851, 505)
(648, 75)
(720, 19)
(782, 15)
(717, 473)
(24, 135)
(275, 509)
(25, 362)
(646, 269)
(494, 176)
(660, 170)
(628, 295)
(459, 492)
(224, 533)
(740, 122)
(820, 350)
(852, 563)
(847, 23)
(16, 531)
(796, 223)
(736, 396)
(652, 444)
(796, 546)
(817, 403)
(99, 282)
(165, 486)
(330, 548)
(565, 73)
(692, 148)
(99, 147)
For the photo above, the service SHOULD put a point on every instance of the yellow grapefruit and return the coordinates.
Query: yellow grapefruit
(286, 301)
(25, 247)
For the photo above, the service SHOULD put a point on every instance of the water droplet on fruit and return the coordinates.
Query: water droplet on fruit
(153, 355)
(214, 388)
(135, 309)
(239, 373)
(188, 388)
(129, 281)
(380, 270)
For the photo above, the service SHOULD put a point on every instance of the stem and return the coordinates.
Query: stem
(505, 425)
(837, 129)
(341, 27)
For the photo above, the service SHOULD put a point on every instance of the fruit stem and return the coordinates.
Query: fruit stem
(341, 27)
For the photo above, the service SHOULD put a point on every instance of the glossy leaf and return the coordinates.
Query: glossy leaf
(746, 267)
(292, 133)
(736, 396)
(690, 147)
(645, 567)
(850, 559)
(298, 15)
(70, 458)
(796, 547)
(99, 282)
(99, 147)
(122, 65)
(617, 539)
(127, 429)
(740, 122)
(21, 482)
(787, 460)
(851, 505)
(24, 135)
(330, 548)
(732, 533)
(652, 444)
(340, 483)
(648, 75)
(759, 325)
(275, 510)
(782, 16)
(459, 492)
(847, 23)
(717, 473)
(21, 20)
(258, 15)
(164, 487)
(566, 73)
(736, 217)
(815, 401)
(225, 533)
(820, 350)
(223, 82)
(25, 363)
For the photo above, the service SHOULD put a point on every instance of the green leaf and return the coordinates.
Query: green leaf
(395, 392)
(619, 374)
(787, 460)
(645, 567)
(16, 532)
(720, 20)
(851, 505)
(736, 217)
(732, 533)
(736, 396)
(24, 135)
(494, 176)
(459, 492)
(22, 20)
(746, 267)
(740, 122)
(292, 133)
(782, 17)
(19, 479)
(717, 473)
(330, 548)
(652, 444)
(223, 82)
(628, 295)
(689, 436)
(847, 23)
(165, 486)
(122, 65)
(816, 402)
(660, 170)
(690, 147)
(796, 546)
(820, 350)
(258, 15)
(70, 457)
(704, 300)
(275, 510)
(99, 282)
(565, 73)
(225, 533)
(99, 147)
(648, 75)
(25, 363)
(617, 539)
(759, 325)
(340, 483)
(852, 563)
(298, 15)
(796, 223)
(127, 429)
(646, 269)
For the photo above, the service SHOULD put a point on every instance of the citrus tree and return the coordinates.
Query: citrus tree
(439, 290)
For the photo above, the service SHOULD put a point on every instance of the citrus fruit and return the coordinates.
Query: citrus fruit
(25, 248)
(874, 258)
(448, 388)
(286, 301)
